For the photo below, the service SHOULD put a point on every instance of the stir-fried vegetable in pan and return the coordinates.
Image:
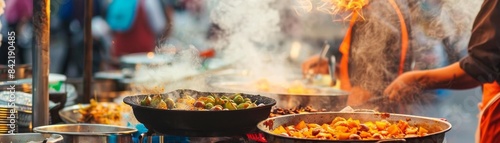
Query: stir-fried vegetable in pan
(102, 113)
(211, 102)
(345, 129)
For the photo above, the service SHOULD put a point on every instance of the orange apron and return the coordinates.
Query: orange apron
(345, 83)
(489, 115)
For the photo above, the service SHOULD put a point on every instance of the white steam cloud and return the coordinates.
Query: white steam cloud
(251, 36)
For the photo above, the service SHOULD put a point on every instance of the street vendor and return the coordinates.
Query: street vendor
(480, 67)
(396, 36)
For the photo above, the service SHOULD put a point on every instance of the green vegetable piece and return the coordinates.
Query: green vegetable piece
(235, 95)
(238, 99)
(230, 106)
(248, 100)
(146, 101)
(211, 97)
(156, 100)
(209, 106)
(243, 106)
(206, 100)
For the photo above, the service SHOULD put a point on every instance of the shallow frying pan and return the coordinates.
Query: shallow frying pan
(200, 123)
(436, 126)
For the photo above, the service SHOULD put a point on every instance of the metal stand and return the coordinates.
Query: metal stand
(41, 24)
(87, 73)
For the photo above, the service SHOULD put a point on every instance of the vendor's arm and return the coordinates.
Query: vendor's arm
(450, 77)
(482, 65)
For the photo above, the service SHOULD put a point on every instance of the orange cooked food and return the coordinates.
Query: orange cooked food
(296, 87)
(346, 129)
(102, 113)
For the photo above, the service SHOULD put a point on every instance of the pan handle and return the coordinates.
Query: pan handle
(391, 140)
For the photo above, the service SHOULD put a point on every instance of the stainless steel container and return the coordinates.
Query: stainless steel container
(89, 133)
(30, 138)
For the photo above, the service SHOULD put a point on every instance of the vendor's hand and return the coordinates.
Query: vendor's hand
(312, 65)
(406, 84)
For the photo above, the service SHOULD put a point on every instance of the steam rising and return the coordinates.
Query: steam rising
(376, 41)
(250, 40)
(251, 36)
(154, 78)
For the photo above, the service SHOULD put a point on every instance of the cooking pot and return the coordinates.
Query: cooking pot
(89, 133)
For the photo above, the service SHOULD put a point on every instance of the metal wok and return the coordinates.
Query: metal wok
(437, 127)
(326, 98)
(200, 123)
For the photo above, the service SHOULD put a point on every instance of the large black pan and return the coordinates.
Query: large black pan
(436, 126)
(200, 123)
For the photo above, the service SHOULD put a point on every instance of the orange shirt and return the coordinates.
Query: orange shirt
(490, 119)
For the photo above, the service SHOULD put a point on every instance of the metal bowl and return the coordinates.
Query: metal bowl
(30, 138)
(89, 133)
